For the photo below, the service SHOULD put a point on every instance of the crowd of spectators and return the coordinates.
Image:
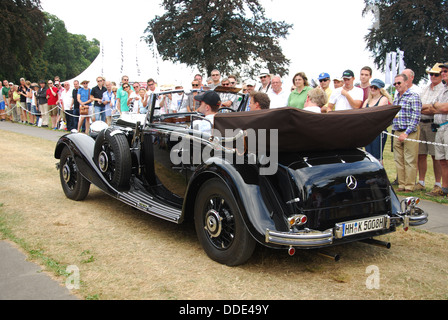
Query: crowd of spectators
(423, 115)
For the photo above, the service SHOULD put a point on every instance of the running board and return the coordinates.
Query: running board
(144, 202)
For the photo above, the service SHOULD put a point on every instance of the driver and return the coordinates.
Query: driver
(259, 101)
(210, 104)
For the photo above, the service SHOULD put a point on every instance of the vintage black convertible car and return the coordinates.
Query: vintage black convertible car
(284, 178)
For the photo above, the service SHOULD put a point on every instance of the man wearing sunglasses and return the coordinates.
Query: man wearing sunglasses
(429, 95)
(192, 104)
(122, 95)
(324, 84)
(216, 79)
(441, 119)
(265, 79)
(406, 125)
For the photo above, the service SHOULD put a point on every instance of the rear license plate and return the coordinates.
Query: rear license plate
(350, 228)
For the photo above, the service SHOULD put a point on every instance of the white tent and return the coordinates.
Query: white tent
(134, 58)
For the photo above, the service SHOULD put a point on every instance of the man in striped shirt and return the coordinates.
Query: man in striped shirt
(406, 125)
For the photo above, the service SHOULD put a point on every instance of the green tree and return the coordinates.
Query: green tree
(417, 27)
(36, 45)
(65, 54)
(22, 34)
(221, 34)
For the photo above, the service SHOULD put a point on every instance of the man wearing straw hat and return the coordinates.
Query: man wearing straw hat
(441, 119)
(428, 96)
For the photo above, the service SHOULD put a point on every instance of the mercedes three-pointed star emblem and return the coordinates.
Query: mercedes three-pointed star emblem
(351, 182)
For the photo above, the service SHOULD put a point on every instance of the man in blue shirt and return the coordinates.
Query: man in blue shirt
(406, 126)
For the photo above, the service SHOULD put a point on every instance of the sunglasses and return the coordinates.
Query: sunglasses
(324, 80)
(444, 71)
(226, 84)
(262, 77)
(434, 75)
(397, 84)
(126, 87)
(374, 87)
(195, 85)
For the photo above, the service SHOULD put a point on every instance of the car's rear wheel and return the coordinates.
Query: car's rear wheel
(75, 186)
(220, 226)
(113, 157)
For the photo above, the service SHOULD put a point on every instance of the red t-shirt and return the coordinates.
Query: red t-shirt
(52, 100)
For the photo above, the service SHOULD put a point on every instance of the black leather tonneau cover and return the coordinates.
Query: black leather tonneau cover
(300, 130)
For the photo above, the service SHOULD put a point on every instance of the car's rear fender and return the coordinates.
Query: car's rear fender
(246, 194)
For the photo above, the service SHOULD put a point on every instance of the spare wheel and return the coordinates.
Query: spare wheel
(113, 157)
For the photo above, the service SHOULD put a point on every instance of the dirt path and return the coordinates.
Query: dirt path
(124, 254)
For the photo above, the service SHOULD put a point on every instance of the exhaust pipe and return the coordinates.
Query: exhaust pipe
(377, 243)
(328, 255)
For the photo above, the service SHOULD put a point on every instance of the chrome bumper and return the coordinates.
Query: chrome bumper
(313, 238)
(412, 220)
(308, 238)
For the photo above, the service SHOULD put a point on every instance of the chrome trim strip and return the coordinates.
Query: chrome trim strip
(145, 203)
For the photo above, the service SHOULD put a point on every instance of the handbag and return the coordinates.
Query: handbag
(83, 110)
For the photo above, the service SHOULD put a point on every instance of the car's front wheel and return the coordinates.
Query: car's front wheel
(220, 226)
(75, 186)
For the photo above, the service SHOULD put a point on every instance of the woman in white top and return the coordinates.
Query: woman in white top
(378, 97)
(133, 100)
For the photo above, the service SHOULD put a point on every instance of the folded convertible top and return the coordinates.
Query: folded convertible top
(300, 130)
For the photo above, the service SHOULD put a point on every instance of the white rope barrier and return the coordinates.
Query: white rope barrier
(18, 105)
(94, 113)
(418, 141)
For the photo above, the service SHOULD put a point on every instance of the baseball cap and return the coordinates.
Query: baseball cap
(323, 75)
(377, 83)
(348, 74)
(250, 83)
(209, 97)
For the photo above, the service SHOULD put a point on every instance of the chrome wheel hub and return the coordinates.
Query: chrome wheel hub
(103, 161)
(213, 223)
(66, 173)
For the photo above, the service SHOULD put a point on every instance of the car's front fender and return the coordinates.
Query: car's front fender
(82, 148)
